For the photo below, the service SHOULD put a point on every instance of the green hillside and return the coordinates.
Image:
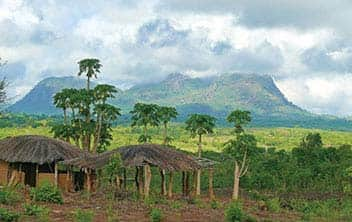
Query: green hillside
(216, 96)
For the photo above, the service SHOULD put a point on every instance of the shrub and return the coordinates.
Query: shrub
(9, 196)
(156, 215)
(83, 215)
(273, 205)
(8, 216)
(46, 192)
(234, 212)
(214, 204)
(34, 210)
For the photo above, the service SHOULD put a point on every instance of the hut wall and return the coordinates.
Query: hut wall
(50, 177)
(4, 168)
(46, 177)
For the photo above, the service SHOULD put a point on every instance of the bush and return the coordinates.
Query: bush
(214, 204)
(9, 196)
(46, 193)
(234, 212)
(8, 216)
(273, 205)
(83, 215)
(34, 210)
(156, 215)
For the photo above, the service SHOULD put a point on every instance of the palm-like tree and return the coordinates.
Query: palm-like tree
(166, 114)
(90, 67)
(198, 125)
(144, 115)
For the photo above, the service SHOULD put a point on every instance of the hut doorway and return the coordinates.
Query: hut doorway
(29, 170)
(78, 178)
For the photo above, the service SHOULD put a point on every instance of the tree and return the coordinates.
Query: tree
(239, 118)
(3, 87)
(145, 115)
(91, 115)
(241, 148)
(166, 114)
(90, 67)
(198, 125)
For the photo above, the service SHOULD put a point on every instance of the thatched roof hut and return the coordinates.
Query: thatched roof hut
(36, 149)
(164, 157)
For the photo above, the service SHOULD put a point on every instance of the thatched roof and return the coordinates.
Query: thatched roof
(161, 156)
(36, 149)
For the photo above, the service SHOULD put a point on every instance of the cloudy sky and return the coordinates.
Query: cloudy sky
(305, 45)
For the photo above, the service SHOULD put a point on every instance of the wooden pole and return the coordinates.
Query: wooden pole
(20, 173)
(163, 182)
(187, 183)
(148, 177)
(211, 190)
(183, 183)
(194, 183)
(140, 181)
(169, 194)
(124, 179)
(56, 175)
(89, 182)
(37, 175)
(136, 179)
(67, 179)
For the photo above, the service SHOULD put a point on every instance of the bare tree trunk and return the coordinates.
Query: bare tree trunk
(170, 184)
(97, 134)
(165, 133)
(236, 182)
(148, 177)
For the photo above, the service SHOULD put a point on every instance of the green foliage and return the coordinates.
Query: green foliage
(239, 118)
(31, 209)
(273, 205)
(8, 216)
(199, 124)
(234, 212)
(156, 215)
(46, 192)
(9, 196)
(214, 204)
(83, 215)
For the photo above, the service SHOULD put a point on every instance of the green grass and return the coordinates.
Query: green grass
(280, 138)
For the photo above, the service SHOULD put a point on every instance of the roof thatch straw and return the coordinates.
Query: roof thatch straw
(161, 156)
(36, 149)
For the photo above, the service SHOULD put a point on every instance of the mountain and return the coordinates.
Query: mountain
(40, 99)
(216, 96)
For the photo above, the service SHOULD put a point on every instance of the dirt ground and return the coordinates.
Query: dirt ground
(175, 210)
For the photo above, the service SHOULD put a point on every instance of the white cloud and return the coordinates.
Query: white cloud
(300, 44)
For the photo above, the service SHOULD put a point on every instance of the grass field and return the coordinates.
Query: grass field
(280, 138)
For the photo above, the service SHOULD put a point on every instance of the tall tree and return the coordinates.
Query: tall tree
(91, 115)
(198, 125)
(241, 148)
(3, 86)
(90, 67)
(145, 115)
(166, 114)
